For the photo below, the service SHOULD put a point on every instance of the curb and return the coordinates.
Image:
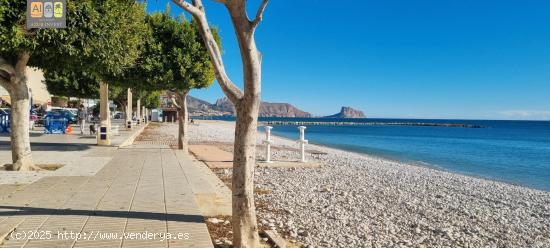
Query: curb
(132, 137)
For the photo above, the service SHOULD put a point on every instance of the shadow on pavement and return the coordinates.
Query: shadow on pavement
(41, 146)
(34, 134)
(115, 214)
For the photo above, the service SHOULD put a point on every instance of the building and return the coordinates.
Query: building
(39, 93)
(169, 111)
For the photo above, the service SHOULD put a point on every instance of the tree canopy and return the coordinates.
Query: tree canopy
(102, 37)
(173, 57)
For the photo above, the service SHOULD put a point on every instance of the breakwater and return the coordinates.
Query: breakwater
(346, 123)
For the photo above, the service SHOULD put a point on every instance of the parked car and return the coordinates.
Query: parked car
(118, 115)
(71, 117)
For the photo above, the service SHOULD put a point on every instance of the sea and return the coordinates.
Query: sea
(516, 152)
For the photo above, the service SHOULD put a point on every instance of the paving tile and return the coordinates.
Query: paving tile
(140, 194)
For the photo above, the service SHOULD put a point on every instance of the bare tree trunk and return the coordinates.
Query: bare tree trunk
(105, 121)
(13, 77)
(143, 114)
(245, 230)
(19, 122)
(183, 117)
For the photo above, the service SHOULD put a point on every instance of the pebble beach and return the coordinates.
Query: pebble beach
(358, 200)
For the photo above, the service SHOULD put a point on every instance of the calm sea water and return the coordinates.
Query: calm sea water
(517, 152)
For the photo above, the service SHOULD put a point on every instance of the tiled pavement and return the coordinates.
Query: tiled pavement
(78, 153)
(142, 193)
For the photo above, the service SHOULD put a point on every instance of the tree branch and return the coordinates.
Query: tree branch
(175, 102)
(197, 10)
(259, 15)
(181, 95)
(187, 6)
(22, 61)
(21, 65)
(6, 70)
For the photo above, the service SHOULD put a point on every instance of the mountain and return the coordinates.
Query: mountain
(268, 109)
(348, 112)
(224, 107)
(197, 104)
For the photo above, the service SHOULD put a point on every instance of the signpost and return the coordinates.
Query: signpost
(46, 14)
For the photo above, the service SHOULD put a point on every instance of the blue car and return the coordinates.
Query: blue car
(71, 117)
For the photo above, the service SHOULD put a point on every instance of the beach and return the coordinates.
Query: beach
(357, 200)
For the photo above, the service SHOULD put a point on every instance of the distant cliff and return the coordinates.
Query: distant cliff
(268, 109)
(348, 112)
(224, 107)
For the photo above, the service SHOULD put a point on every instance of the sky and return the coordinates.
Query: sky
(449, 59)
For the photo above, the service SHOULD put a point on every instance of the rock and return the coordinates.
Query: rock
(224, 106)
(348, 112)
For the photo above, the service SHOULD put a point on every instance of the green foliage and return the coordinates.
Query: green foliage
(12, 29)
(71, 84)
(152, 100)
(102, 37)
(110, 41)
(173, 56)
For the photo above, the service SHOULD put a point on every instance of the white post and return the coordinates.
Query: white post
(138, 111)
(268, 143)
(104, 132)
(129, 110)
(302, 141)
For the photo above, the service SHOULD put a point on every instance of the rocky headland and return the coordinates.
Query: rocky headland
(348, 112)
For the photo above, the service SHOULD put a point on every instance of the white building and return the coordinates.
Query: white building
(39, 92)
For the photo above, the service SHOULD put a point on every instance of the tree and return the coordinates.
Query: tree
(175, 59)
(245, 230)
(152, 100)
(71, 84)
(101, 37)
(188, 59)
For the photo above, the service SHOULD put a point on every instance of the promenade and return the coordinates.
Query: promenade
(140, 197)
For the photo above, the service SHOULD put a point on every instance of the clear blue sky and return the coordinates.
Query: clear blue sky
(421, 59)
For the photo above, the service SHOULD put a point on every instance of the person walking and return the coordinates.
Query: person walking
(82, 115)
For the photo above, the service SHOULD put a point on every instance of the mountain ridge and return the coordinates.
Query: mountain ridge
(224, 107)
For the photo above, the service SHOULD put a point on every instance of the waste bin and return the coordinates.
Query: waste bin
(55, 123)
